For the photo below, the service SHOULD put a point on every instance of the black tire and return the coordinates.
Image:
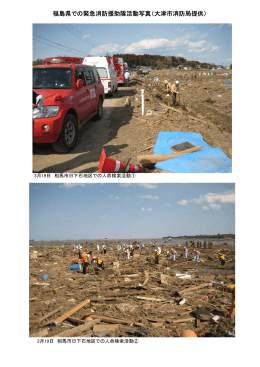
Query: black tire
(116, 89)
(68, 136)
(99, 110)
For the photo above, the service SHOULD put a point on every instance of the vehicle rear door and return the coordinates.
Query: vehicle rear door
(82, 94)
(92, 88)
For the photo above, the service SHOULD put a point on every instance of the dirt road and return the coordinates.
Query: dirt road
(205, 108)
(92, 138)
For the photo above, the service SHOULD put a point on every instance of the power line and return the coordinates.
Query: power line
(88, 41)
(73, 31)
(56, 47)
(69, 48)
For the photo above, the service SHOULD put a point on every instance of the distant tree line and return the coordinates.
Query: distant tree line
(161, 62)
(156, 61)
(203, 236)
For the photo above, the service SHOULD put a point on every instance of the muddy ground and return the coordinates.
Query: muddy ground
(132, 298)
(205, 106)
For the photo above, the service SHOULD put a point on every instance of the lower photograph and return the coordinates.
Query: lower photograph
(121, 260)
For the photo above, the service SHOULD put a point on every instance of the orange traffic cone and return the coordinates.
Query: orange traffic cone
(109, 165)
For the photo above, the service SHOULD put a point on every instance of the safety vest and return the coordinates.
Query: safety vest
(83, 258)
(99, 262)
(196, 253)
(185, 250)
(222, 257)
(157, 254)
(105, 248)
(167, 252)
(173, 252)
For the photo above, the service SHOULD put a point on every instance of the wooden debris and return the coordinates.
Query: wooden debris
(195, 288)
(73, 310)
(46, 316)
(77, 330)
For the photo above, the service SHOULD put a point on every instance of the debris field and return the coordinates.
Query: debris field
(133, 297)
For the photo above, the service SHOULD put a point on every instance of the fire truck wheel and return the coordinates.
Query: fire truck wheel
(68, 136)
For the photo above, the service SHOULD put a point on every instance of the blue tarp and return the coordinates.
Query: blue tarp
(208, 160)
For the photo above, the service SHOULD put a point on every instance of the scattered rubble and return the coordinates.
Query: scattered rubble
(130, 298)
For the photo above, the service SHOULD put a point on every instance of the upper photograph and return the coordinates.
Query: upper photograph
(123, 98)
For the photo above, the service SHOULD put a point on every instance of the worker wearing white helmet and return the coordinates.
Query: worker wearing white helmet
(185, 252)
(173, 254)
(175, 91)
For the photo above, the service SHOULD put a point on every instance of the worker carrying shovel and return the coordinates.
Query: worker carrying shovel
(175, 91)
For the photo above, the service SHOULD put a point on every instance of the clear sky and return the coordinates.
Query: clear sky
(97, 211)
(210, 43)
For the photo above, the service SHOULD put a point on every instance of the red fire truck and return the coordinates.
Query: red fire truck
(119, 69)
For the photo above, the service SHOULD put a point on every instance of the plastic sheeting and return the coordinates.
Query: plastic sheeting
(208, 160)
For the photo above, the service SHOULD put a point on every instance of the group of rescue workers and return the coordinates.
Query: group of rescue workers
(128, 251)
(87, 259)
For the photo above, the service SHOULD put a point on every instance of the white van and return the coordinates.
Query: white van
(105, 68)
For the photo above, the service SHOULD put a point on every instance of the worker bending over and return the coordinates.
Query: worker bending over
(222, 259)
(100, 264)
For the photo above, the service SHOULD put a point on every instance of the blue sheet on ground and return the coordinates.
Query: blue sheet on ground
(208, 160)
